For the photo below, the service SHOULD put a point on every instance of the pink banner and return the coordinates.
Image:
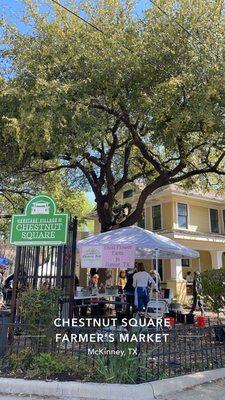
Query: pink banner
(108, 256)
(118, 256)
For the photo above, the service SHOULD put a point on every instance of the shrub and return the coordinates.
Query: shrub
(213, 286)
(20, 362)
(39, 306)
(38, 309)
(47, 365)
(117, 369)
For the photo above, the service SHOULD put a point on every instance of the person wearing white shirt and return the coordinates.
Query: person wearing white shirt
(141, 282)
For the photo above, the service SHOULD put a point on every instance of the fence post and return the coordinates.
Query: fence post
(72, 269)
(14, 294)
(138, 371)
(36, 265)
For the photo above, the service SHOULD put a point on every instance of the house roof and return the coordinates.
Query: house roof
(212, 195)
(176, 189)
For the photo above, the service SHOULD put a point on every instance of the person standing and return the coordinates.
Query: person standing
(197, 293)
(94, 282)
(154, 274)
(188, 277)
(122, 280)
(77, 282)
(141, 283)
(1, 288)
(129, 292)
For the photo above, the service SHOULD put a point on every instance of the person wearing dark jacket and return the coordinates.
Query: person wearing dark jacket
(7, 290)
(129, 292)
(77, 282)
(197, 294)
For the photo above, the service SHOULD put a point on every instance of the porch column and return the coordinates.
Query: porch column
(216, 257)
(176, 270)
(176, 281)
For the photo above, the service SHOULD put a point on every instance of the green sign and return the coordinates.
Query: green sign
(40, 224)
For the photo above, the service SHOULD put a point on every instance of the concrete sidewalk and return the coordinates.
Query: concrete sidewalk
(205, 385)
(207, 391)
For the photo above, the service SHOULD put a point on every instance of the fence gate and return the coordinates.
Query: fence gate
(51, 266)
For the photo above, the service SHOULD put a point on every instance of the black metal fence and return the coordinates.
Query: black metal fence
(187, 349)
(49, 266)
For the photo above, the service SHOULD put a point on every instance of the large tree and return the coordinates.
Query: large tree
(16, 190)
(124, 100)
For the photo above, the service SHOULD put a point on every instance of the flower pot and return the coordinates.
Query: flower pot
(171, 321)
(190, 319)
(180, 318)
(172, 314)
(201, 321)
(220, 333)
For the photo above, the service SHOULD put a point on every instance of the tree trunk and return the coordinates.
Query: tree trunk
(102, 272)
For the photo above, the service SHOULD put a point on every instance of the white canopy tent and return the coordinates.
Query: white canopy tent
(148, 245)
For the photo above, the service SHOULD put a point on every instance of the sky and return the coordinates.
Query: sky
(12, 10)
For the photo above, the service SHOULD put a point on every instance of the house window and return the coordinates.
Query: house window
(141, 222)
(224, 220)
(160, 268)
(214, 220)
(156, 218)
(185, 262)
(182, 215)
(127, 193)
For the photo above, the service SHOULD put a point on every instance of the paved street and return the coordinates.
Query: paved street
(4, 397)
(208, 391)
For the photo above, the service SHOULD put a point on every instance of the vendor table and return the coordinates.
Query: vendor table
(98, 300)
(96, 296)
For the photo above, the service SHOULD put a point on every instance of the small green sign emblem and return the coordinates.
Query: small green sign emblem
(39, 225)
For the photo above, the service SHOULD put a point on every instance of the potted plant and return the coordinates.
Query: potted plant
(176, 310)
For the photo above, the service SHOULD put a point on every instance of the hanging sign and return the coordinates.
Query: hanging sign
(39, 225)
(108, 256)
(91, 257)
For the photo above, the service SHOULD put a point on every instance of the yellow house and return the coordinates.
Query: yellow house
(194, 219)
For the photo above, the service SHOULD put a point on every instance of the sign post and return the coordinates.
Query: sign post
(40, 225)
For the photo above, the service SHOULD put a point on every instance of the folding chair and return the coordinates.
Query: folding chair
(156, 309)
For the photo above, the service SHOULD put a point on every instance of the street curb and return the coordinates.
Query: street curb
(177, 384)
(101, 391)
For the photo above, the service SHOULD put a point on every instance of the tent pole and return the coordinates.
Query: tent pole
(157, 282)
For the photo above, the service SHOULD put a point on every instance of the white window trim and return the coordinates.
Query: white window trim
(199, 264)
(188, 216)
(161, 215)
(210, 227)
